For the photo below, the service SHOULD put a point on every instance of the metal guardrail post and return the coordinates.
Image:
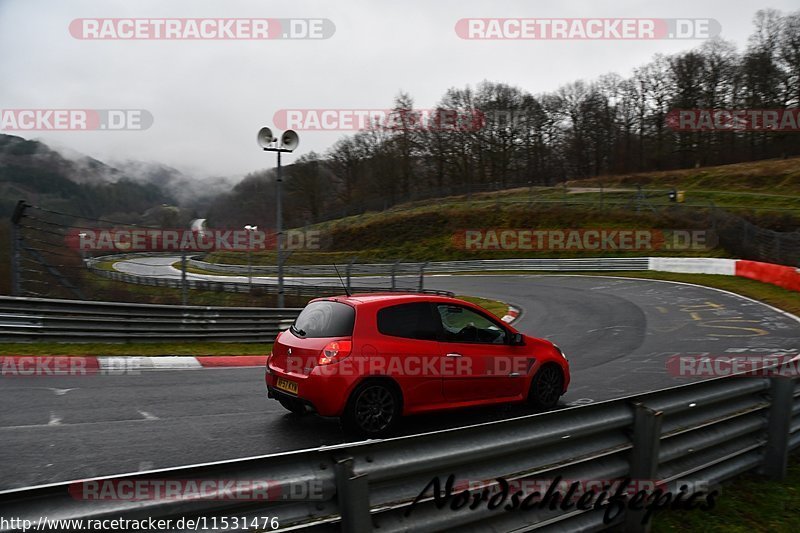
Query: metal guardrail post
(16, 236)
(250, 271)
(776, 451)
(16, 247)
(348, 271)
(394, 273)
(644, 458)
(422, 275)
(352, 493)
(184, 287)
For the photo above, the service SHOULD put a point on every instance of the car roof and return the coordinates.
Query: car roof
(387, 297)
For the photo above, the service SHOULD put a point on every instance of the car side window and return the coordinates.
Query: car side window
(411, 321)
(461, 324)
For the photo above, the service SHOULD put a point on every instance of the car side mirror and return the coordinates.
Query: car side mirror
(517, 339)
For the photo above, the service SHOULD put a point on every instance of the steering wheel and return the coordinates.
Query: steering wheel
(468, 333)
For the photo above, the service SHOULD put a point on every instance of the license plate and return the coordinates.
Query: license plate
(286, 385)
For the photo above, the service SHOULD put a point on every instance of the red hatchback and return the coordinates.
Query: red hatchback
(370, 358)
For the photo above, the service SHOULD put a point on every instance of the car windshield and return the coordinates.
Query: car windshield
(325, 319)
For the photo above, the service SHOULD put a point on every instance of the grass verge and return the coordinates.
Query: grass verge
(495, 307)
(747, 504)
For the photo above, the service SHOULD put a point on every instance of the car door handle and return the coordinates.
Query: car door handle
(453, 355)
(514, 375)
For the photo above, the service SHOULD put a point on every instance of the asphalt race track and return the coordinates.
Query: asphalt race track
(617, 333)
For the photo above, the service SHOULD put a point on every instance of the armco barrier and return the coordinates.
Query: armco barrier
(311, 290)
(698, 434)
(782, 276)
(405, 268)
(28, 319)
(693, 265)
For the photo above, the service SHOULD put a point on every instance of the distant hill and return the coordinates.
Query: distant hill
(32, 171)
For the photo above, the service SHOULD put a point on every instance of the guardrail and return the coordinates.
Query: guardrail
(698, 434)
(311, 290)
(414, 269)
(39, 319)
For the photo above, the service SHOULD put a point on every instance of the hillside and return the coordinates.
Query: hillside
(774, 176)
(32, 171)
(766, 193)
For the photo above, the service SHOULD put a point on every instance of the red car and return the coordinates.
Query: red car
(370, 358)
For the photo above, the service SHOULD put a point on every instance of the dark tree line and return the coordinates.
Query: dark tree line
(583, 129)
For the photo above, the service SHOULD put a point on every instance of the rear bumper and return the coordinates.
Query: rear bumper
(326, 395)
(276, 394)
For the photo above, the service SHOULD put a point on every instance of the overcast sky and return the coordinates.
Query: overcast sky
(209, 98)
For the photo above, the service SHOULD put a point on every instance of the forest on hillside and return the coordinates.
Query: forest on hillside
(583, 129)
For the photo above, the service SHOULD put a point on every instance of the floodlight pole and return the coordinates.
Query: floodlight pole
(279, 230)
(288, 143)
(279, 220)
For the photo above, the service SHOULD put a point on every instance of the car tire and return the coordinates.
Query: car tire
(295, 406)
(372, 411)
(547, 386)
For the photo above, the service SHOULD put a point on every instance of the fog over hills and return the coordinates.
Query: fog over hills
(72, 182)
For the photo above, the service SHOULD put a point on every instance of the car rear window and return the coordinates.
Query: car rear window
(325, 319)
(411, 321)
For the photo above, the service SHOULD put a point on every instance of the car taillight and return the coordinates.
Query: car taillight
(334, 352)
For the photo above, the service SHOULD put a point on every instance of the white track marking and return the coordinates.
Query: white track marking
(60, 392)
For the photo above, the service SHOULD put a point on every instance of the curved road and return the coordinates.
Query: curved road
(617, 333)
